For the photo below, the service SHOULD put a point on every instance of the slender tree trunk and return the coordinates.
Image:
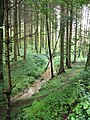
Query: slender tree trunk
(7, 42)
(75, 44)
(67, 38)
(36, 35)
(70, 37)
(31, 29)
(48, 37)
(88, 59)
(1, 40)
(80, 42)
(19, 10)
(15, 31)
(41, 36)
(10, 17)
(24, 31)
(62, 33)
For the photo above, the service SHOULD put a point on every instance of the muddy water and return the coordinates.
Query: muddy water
(35, 86)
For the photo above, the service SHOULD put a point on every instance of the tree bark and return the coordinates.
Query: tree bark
(24, 31)
(67, 38)
(70, 37)
(1, 40)
(75, 44)
(48, 37)
(36, 35)
(88, 59)
(62, 33)
(15, 31)
(19, 10)
(7, 42)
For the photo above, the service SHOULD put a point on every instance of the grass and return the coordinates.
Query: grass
(24, 73)
(61, 94)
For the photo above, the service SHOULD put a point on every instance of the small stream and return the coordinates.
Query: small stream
(35, 87)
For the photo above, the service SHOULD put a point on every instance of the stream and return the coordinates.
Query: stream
(35, 87)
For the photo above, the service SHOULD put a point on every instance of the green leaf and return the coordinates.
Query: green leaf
(88, 111)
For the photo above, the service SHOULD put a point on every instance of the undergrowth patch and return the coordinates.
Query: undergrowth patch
(24, 73)
(71, 101)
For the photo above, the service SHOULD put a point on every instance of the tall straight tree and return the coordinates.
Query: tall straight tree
(15, 31)
(67, 27)
(88, 59)
(7, 42)
(1, 40)
(36, 27)
(19, 16)
(24, 30)
(62, 33)
(70, 37)
(75, 44)
(48, 38)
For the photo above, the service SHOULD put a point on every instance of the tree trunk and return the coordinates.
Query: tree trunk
(48, 37)
(1, 40)
(69, 42)
(19, 10)
(41, 36)
(75, 44)
(36, 35)
(67, 24)
(15, 31)
(10, 16)
(88, 59)
(7, 42)
(62, 33)
(80, 42)
(24, 31)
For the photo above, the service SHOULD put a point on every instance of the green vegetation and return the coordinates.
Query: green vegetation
(44, 60)
(65, 96)
(24, 73)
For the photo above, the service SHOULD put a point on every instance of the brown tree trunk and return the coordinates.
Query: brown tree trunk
(19, 10)
(88, 59)
(70, 37)
(10, 17)
(62, 33)
(36, 35)
(15, 31)
(75, 44)
(1, 40)
(25, 31)
(80, 42)
(67, 38)
(48, 37)
(7, 42)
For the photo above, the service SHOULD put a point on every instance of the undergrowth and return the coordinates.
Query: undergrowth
(24, 73)
(64, 101)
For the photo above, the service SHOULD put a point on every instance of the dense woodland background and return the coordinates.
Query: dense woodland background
(40, 38)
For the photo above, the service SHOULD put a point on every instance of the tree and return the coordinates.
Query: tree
(67, 28)
(1, 40)
(24, 30)
(70, 37)
(48, 38)
(88, 59)
(75, 44)
(15, 31)
(7, 42)
(62, 33)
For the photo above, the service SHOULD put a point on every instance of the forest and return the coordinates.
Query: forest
(44, 59)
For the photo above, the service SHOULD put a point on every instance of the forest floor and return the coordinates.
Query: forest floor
(24, 98)
(27, 93)
(37, 84)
